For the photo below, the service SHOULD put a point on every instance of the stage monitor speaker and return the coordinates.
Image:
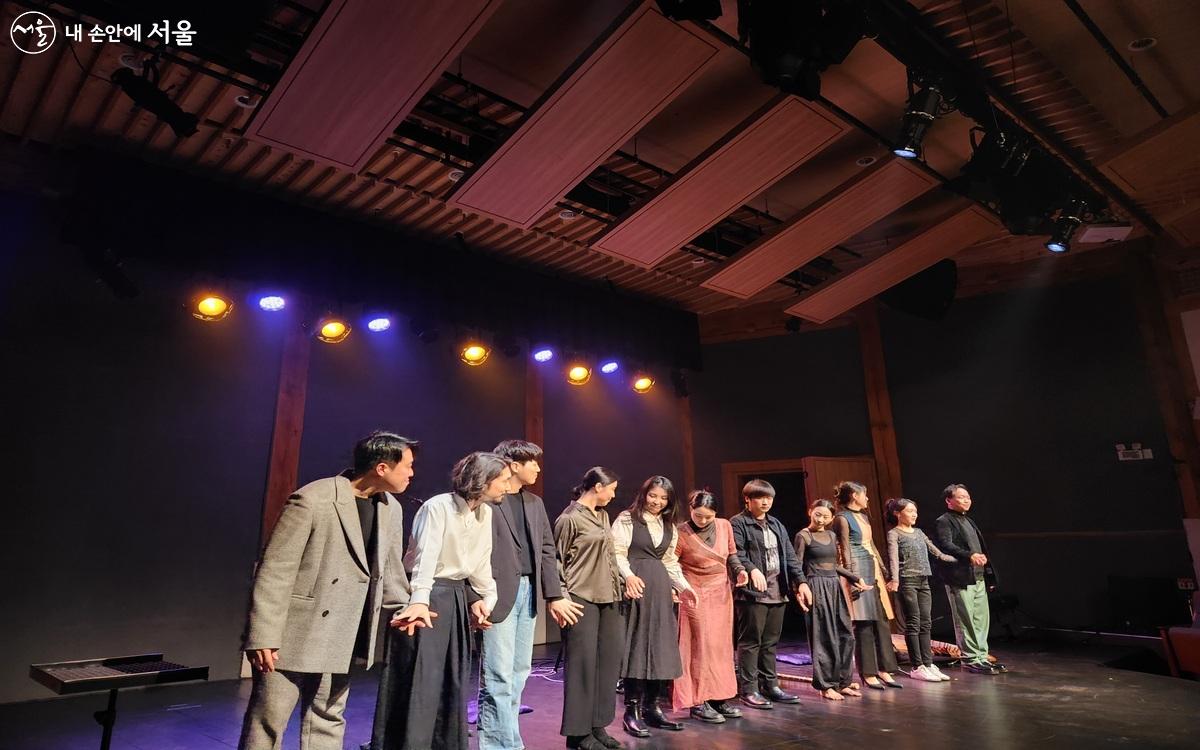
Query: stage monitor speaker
(927, 294)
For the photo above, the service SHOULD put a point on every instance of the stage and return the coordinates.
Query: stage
(1054, 697)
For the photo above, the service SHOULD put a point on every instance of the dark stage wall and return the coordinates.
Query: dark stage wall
(140, 442)
(780, 397)
(1022, 396)
(605, 423)
(135, 461)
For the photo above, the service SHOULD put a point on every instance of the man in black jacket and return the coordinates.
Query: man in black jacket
(966, 580)
(524, 564)
(763, 548)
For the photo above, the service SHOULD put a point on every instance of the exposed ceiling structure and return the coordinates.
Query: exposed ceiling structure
(603, 141)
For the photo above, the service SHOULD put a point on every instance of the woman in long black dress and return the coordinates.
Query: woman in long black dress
(645, 537)
(830, 634)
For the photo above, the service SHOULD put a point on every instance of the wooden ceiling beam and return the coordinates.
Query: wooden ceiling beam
(768, 145)
(849, 209)
(361, 71)
(603, 100)
(962, 228)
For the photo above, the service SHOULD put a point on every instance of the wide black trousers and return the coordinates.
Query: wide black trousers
(873, 647)
(421, 704)
(593, 649)
(757, 628)
(830, 634)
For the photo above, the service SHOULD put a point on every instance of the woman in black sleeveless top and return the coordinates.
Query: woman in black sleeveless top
(830, 634)
(645, 537)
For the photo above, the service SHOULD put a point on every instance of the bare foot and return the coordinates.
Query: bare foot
(832, 695)
(851, 692)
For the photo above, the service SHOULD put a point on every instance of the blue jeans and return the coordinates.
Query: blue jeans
(505, 662)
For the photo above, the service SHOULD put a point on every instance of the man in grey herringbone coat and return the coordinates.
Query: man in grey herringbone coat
(332, 565)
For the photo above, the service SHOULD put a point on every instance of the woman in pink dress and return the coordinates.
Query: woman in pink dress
(709, 561)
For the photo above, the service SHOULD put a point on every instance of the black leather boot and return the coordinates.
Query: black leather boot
(652, 711)
(633, 722)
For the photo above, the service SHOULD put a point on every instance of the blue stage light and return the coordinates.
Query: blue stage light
(272, 303)
(380, 324)
(609, 367)
(543, 355)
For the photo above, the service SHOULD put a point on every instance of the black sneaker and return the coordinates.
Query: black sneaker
(726, 710)
(706, 713)
(982, 668)
(999, 667)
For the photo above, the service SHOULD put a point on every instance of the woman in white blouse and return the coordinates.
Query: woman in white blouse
(644, 538)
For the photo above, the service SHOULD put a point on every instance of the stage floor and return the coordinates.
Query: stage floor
(1055, 697)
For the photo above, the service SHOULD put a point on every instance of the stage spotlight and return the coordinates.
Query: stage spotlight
(643, 383)
(210, 307)
(923, 108)
(332, 330)
(379, 323)
(543, 354)
(792, 42)
(579, 374)
(144, 92)
(272, 302)
(474, 354)
(610, 367)
(1065, 225)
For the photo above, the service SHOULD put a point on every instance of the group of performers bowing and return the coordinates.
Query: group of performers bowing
(647, 601)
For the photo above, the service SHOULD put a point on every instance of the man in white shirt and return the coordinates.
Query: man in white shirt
(421, 703)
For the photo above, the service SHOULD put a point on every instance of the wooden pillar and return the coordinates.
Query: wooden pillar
(689, 451)
(284, 462)
(1155, 307)
(879, 403)
(535, 427)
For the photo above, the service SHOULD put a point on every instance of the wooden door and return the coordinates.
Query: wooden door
(823, 473)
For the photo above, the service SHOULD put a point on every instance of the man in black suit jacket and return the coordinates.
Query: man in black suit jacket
(525, 566)
(967, 580)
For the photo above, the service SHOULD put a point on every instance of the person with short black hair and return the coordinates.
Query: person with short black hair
(525, 567)
(331, 569)
(421, 703)
(593, 646)
(762, 548)
(967, 580)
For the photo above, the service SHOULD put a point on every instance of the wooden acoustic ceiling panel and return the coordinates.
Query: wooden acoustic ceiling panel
(600, 103)
(361, 71)
(1161, 170)
(782, 135)
(850, 208)
(963, 228)
(1155, 155)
